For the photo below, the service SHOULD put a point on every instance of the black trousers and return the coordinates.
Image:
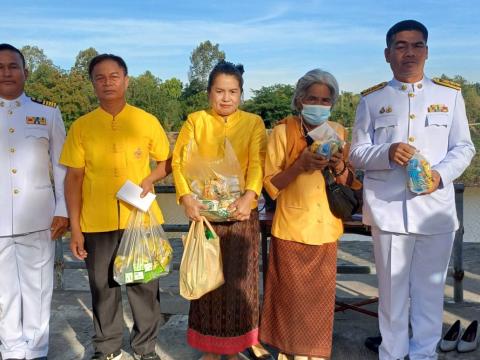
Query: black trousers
(108, 322)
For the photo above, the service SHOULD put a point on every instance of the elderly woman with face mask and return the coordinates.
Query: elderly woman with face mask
(297, 316)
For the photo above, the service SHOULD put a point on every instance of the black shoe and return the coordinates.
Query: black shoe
(373, 343)
(117, 355)
(150, 356)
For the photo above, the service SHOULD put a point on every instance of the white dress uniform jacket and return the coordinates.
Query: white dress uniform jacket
(31, 138)
(429, 116)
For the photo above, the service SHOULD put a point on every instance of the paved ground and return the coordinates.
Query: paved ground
(71, 327)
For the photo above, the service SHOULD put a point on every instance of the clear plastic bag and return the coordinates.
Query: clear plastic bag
(326, 140)
(216, 181)
(419, 174)
(201, 269)
(144, 253)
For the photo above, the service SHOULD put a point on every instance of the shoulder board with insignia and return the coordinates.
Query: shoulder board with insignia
(373, 88)
(447, 83)
(45, 102)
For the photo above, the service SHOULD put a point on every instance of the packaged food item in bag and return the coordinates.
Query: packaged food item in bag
(215, 181)
(326, 140)
(144, 253)
(419, 174)
(201, 269)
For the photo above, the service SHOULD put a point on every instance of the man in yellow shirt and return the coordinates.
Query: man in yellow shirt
(104, 148)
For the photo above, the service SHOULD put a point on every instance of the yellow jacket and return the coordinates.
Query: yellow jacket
(302, 213)
(245, 131)
(112, 150)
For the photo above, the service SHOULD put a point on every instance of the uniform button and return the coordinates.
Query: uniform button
(318, 221)
(14, 171)
(411, 94)
(419, 86)
(11, 130)
(16, 191)
(10, 112)
(318, 204)
(412, 116)
(12, 150)
(404, 87)
(411, 139)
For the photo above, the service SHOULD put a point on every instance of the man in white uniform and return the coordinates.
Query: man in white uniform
(412, 234)
(32, 211)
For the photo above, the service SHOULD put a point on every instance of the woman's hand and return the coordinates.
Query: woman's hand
(192, 207)
(309, 161)
(242, 207)
(337, 162)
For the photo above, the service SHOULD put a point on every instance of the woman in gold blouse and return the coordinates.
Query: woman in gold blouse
(297, 315)
(225, 321)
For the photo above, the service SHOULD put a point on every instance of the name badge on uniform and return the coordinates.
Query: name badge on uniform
(36, 120)
(438, 108)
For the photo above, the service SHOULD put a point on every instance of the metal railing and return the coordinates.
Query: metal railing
(456, 271)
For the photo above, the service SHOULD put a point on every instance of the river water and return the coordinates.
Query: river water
(471, 212)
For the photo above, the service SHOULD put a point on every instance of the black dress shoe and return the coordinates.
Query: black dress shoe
(150, 356)
(373, 343)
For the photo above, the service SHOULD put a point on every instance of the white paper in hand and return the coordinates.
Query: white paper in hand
(130, 193)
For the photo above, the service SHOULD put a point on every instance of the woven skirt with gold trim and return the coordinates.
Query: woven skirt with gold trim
(299, 301)
(225, 321)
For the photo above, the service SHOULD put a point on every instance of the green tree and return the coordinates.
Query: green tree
(272, 103)
(34, 57)
(202, 60)
(83, 60)
(344, 110)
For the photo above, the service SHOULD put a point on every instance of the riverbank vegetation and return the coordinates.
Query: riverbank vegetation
(171, 100)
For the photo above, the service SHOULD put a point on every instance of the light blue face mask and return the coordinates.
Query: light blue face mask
(315, 114)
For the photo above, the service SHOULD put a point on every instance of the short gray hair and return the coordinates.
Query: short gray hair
(315, 76)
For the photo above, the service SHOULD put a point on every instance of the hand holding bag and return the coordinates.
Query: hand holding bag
(201, 269)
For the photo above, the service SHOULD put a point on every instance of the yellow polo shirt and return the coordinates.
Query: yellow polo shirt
(245, 131)
(112, 150)
(302, 213)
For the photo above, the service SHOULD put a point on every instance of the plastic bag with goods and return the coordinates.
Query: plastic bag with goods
(144, 253)
(201, 269)
(419, 174)
(326, 140)
(215, 181)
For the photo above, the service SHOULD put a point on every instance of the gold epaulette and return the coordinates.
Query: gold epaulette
(373, 88)
(447, 83)
(45, 102)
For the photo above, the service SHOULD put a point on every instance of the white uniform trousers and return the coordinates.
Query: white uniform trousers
(410, 267)
(26, 283)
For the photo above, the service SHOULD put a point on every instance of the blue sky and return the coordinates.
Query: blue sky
(277, 41)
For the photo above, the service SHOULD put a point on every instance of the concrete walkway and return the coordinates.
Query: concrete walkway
(71, 324)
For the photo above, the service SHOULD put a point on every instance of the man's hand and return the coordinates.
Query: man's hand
(77, 242)
(147, 186)
(59, 227)
(242, 207)
(309, 161)
(192, 207)
(400, 153)
(436, 182)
